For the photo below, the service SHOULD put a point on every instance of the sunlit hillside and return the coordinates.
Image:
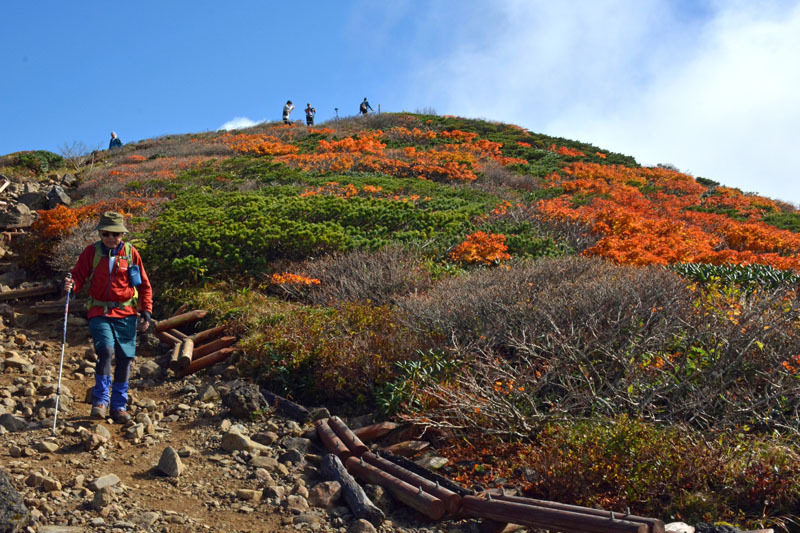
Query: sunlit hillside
(587, 329)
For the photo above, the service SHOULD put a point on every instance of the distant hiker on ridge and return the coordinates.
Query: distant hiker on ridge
(364, 108)
(310, 112)
(287, 109)
(114, 142)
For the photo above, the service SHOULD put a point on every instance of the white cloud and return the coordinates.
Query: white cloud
(715, 96)
(238, 123)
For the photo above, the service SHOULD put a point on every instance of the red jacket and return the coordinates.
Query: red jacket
(113, 286)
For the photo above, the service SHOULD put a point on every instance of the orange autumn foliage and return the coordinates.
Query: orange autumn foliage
(482, 247)
(563, 150)
(658, 227)
(293, 279)
(260, 144)
(62, 220)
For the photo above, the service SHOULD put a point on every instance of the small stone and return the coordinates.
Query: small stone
(45, 446)
(103, 497)
(291, 456)
(51, 485)
(94, 441)
(263, 475)
(265, 437)
(17, 361)
(296, 504)
(301, 490)
(320, 413)
(432, 462)
(208, 394)
(34, 480)
(170, 463)
(274, 491)
(361, 526)
(379, 497)
(136, 431)
(108, 480)
(145, 520)
(149, 370)
(186, 451)
(296, 443)
(325, 494)
(678, 527)
(306, 518)
(248, 494)
(233, 440)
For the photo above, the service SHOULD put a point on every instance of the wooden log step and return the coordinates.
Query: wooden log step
(375, 431)
(408, 448)
(348, 437)
(213, 346)
(180, 320)
(414, 497)
(208, 335)
(289, 408)
(49, 288)
(205, 362)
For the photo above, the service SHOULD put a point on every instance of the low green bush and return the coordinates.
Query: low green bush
(788, 221)
(246, 232)
(748, 276)
(39, 161)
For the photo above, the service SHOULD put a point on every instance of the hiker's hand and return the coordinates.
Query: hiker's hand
(68, 283)
(144, 321)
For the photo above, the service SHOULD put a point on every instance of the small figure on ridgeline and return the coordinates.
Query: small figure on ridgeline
(114, 142)
(287, 110)
(310, 112)
(118, 286)
(364, 108)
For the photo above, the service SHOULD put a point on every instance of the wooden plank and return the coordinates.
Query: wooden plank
(289, 408)
(414, 497)
(213, 346)
(547, 518)
(50, 288)
(208, 335)
(408, 448)
(205, 362)
(185, 356)
(375, 431)
(179, 320)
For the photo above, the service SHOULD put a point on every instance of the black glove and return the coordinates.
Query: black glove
(145, 315)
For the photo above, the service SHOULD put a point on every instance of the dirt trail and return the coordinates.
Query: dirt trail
(203, 497)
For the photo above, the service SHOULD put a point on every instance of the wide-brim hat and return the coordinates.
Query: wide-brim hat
(111, 221)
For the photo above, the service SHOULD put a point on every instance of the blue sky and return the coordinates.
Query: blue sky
(709, 86)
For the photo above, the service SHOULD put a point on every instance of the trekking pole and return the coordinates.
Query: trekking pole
(61, 363)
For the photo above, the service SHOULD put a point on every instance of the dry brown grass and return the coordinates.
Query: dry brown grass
(375, 277)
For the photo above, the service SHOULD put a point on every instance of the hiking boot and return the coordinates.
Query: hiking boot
(120, 417)
(98, 411)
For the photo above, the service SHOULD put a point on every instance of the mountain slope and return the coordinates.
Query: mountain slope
(481, 279)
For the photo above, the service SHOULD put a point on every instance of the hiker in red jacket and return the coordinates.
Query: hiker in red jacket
(118, 286)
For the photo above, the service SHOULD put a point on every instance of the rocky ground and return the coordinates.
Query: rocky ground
(184, 463)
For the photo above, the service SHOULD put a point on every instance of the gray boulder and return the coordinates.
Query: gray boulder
(245, 400)
(12, 423)
(56, 196)
(17, 216)
(34, 200)
(14, 516)
(68, 180)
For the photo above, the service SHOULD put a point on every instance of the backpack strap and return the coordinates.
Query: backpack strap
(98, 254)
